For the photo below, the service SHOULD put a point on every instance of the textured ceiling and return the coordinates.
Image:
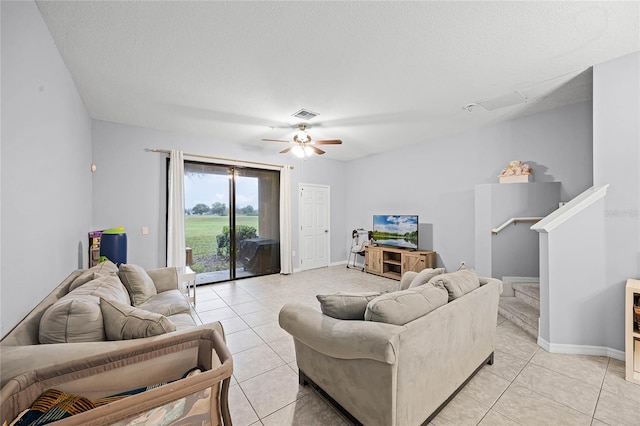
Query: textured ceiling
(381, 74)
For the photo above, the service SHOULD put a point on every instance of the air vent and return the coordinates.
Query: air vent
(511, 99)
(305, 114)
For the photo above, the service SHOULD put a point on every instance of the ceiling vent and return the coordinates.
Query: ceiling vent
(305, 114)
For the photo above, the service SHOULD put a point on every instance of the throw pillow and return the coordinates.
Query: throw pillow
(123, 322)
(405, 306)
(457, 283)
(72, 320)
(424, 276)
(102, 268)
(76, 317)
(138, 283)
(346, 306)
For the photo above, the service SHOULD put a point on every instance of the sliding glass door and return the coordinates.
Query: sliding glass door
(231, 221)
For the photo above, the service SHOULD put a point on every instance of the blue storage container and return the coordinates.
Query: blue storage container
(113, 245)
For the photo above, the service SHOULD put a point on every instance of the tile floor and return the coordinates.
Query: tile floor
(525, 386)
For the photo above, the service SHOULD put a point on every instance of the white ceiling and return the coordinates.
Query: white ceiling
(381, 74)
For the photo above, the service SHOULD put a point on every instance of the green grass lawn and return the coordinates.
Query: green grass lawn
(200, 235)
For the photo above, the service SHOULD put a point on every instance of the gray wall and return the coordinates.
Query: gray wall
(46, 158)
(514, 250)
(129, 188)
(436, 179)
(616, 146)
(575, 291)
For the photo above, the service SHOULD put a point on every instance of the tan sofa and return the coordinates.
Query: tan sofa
(95, 311)
(383, 373)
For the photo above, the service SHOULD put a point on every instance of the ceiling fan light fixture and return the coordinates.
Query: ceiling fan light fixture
(301, 137)
(302, 152)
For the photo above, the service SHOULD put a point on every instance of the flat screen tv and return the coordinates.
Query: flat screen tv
(396, 230)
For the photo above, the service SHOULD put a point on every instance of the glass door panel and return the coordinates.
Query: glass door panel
(232, 221)
(257, 221)
(207, 221)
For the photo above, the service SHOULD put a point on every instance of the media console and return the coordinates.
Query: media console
(392, 262)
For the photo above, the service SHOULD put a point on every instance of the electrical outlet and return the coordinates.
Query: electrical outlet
(144, 230)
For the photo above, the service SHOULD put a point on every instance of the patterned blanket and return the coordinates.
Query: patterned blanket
(54, 405)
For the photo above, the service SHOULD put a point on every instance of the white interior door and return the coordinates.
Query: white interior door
(314, 226)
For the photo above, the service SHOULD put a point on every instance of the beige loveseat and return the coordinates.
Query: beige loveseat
(408, 353)
(95, 311)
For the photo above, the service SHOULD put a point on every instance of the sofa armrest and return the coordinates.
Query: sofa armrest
(487, 280)
(164, 278)
(341, 338)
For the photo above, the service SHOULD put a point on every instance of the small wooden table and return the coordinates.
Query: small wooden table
(186, 282)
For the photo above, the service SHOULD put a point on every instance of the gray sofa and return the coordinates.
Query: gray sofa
(412, 351)
(95, 311)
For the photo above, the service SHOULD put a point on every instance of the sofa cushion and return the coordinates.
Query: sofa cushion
(102, 268)
(137, 282)
(346, 306)
(182, 321)
(106, 286)
(71, 320)
(404, 306)
(457, 283)
(167, 303)
(424, 276)
(123, 322)
(76, 317)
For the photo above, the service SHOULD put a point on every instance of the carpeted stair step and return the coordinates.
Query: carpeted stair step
(528, 293)
(520, 313)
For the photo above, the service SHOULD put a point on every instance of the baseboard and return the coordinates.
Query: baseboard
(507, 290)
(340, 262)
(559, 348)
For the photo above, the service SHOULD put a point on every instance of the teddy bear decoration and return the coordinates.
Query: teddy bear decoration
(516, 172)
(516, 168)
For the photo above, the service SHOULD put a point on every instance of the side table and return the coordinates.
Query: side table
(186, 282)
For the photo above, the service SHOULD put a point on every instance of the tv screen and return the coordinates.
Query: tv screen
(396, 230)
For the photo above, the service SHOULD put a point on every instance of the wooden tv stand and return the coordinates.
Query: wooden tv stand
(392, 262)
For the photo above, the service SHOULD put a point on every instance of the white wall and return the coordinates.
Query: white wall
(616, 146)
(436, 180)
(129, 188)
(46, 158)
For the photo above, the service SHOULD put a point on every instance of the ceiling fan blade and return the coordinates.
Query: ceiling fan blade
(316, 149)
(329, 142)
(287, 149)
(275, 140)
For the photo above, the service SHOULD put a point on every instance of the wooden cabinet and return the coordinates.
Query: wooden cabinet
(632, 332)
(393, 262)
(373, 260)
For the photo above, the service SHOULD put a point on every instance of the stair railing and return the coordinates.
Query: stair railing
(515, 220)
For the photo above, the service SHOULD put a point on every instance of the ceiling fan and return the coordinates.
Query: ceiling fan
(302, 145)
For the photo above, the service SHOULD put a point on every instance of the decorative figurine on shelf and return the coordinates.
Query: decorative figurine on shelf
(516, 172)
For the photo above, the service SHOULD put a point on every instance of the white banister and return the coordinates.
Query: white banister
(571, 209)
(515, 220)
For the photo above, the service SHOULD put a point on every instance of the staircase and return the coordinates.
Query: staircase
(522, 309)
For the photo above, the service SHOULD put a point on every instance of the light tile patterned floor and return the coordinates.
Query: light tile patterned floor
(525, 386)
